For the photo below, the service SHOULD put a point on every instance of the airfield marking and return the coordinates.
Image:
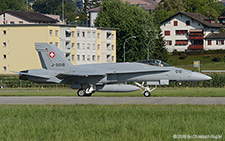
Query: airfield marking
(52, 100)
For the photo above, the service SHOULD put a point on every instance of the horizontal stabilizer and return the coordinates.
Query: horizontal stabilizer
(34, 75)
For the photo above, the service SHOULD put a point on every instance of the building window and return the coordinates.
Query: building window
(112, 58)
(83, 46)
(112, 47)
(78, 34)
(83, 56)
(4, 44)
(175, 23)
(50, 43)
(4, 56)
(209, 42)
(181, 32)
(219, 42)
(88, 34)
(4, 32)
(108, 35)
(57, 44)
(78, 45)
(50, 32)
(212, 31)
(88, 45)
(187, 23)
(167, 33)
(93, 47)
(181, 42)
(98, 48)
(98, 58)
(68, 33)
(72, 45)
(73, 33)
(88, 58)
(83, 34)
(72, 57)
(93, 35)
(112, 36)
(4, 68)
(56, 33)
(98, 35)
(78, 57)
(93, 57)
(168, 42)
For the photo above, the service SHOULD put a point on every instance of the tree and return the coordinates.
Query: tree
(54, 6)
(130, 21)
(11, 5)
(159, 50)
(167, 8)
(209, 8)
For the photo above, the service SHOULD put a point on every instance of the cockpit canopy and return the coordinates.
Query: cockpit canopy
(154, 62)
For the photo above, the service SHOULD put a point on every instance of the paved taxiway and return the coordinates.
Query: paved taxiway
(50, 100)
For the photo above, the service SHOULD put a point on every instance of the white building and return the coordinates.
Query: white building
(192, 31)
(95, 45)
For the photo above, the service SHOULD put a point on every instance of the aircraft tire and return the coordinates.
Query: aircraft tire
(147, 94)
(81, 92)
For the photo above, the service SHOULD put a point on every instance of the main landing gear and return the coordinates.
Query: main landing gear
(147, 90)
(86, 92)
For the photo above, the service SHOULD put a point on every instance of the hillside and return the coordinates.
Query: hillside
(208, 61)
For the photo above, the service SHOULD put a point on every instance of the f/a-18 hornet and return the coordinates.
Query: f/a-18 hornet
(104, 77)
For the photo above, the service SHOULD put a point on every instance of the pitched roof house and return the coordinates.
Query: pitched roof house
(24, 17)
(187, 31)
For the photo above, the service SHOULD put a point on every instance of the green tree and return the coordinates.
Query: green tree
(167, 8)
(159, 50)
(209, 8)
(54, 6)
(130, 21)
(11, 5)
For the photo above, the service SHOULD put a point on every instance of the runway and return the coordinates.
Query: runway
(50, 100)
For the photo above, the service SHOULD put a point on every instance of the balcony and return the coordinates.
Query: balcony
(193, 37)
(196, 47)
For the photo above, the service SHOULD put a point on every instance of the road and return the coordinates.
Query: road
(50, 100)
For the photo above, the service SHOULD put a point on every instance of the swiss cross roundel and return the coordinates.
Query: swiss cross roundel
(52, 54)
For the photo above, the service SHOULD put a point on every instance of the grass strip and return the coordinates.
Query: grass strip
(101, 122)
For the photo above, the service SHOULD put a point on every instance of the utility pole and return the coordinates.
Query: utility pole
(63, 11)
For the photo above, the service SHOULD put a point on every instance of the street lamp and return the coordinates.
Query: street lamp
(124, 46)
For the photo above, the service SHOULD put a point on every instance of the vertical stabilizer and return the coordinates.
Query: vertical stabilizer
(51, 57)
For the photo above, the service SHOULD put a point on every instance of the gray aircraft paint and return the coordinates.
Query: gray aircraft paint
(57, 69)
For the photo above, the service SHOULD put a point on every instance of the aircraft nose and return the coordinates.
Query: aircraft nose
(200, 77)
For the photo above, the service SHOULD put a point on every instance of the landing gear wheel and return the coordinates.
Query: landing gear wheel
(81, 92)
(147, 94)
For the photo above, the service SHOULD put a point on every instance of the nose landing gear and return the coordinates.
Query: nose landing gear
(147, 90)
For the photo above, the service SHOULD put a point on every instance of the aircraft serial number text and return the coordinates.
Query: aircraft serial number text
(58, 64)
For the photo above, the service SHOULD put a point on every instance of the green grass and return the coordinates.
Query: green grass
(183, 92)
(119, 123)
(205, 60)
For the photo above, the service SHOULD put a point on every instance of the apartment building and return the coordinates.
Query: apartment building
(187, 31)
(80, 45)
(96, 45)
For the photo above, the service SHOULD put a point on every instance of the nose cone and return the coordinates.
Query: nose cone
(199, 76)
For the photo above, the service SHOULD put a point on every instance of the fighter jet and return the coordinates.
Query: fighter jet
(104, 77)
